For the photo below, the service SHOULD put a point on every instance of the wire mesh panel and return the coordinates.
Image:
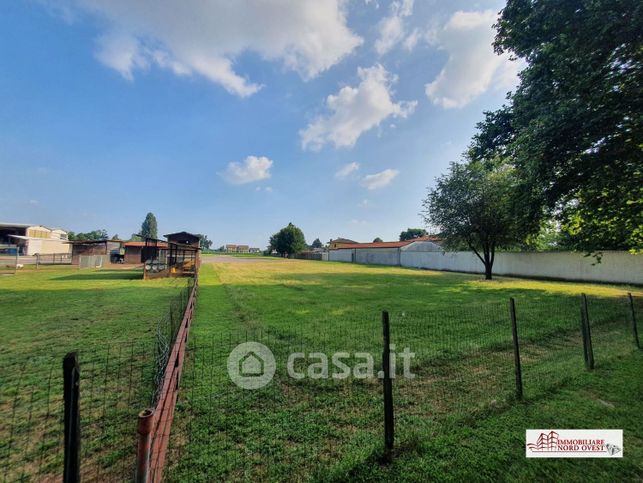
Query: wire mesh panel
(462, 365)
(610, 321)
(552, 343)
(90, 261)
(310, 412)
(452, 366)
(115, 382)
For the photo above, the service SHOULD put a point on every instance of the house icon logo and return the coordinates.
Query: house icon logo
(251, 365)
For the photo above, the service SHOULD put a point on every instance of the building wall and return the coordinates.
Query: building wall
(615, 267)
(378, 256)
(132, 255)
(38, 232)
(340, 255)
(86, 250)
(47, 246)
(369, 256)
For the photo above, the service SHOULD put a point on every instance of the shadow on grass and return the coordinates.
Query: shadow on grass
(104, 275)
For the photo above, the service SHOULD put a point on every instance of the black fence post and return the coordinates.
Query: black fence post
(584, 334)
(71, 388)
(589, 351)
(389, 435)
(514, 335)
(635, 330)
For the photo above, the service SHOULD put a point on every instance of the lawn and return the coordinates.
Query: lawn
(458, 418)
(110, 317)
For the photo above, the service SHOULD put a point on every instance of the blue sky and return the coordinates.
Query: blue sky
(235, 118)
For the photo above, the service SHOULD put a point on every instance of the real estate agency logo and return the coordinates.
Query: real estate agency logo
(574, 443)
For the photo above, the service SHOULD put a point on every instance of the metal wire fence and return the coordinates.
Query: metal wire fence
(315, 416)
(311, 424)
(116, 382)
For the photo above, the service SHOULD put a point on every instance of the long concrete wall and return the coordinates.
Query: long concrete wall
(378, 256)
(615, 267)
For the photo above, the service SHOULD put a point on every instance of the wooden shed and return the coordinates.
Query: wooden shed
(93, 247)
(183, 238)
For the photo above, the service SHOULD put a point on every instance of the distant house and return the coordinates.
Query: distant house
(231, 248)
(338, 242)
(34, 239)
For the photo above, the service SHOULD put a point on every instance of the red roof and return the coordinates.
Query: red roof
(142, 244)
(394, 244)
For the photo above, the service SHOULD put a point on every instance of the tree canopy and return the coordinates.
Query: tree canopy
(473, 207)
(149, 228)
(573, 128)
(90, 235)
(288, 241)
(377, 240)
(317, 243)
(204, 243)
(411, 233)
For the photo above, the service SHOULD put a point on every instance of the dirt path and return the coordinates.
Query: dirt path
(230, 259)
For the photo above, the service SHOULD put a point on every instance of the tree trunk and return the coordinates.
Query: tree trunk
(487, 270)
(488, 263)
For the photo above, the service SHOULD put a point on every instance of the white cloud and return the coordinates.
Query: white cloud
(379, 180)
(473, 67)
(252, 169)
(346, 170)
(196, 37)
(412, 40)
(355, 110)
(391, 29)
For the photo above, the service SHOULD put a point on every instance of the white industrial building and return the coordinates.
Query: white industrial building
(33, 239)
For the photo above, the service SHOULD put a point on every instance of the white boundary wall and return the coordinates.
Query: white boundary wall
(615, 266)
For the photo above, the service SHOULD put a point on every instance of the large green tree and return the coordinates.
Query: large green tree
(473, 207)
(411, 233)
(288, 241)
(573, 128)
(149, 228)
(317, 243)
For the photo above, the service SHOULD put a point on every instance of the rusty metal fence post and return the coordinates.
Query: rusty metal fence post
(71, 389)
(145, 424)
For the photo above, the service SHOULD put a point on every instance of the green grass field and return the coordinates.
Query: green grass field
(458, 419)
(110, 317)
